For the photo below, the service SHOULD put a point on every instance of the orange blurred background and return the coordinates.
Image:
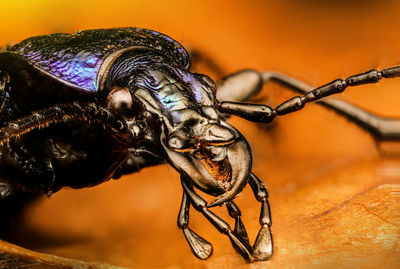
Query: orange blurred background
(310, 161)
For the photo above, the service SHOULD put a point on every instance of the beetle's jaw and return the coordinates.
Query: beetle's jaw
(219, 169)
(238, 161)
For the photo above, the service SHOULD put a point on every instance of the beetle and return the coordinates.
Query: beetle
(79, 109)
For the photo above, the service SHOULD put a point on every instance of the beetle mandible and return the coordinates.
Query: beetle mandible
(79, 109)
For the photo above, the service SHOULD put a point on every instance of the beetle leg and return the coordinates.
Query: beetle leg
(5, 107)
(222, 226)
(239, 86)
(62, 113)
(200, 247)
(235, 213)
(242, 85)
(263, 245)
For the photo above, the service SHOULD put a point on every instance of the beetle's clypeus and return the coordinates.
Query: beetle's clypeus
(79, 109)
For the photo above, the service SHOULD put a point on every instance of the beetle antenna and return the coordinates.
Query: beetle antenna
(87, 112)
(383, 128)
(264, 113)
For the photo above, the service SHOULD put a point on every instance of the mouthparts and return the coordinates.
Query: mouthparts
(233, 171)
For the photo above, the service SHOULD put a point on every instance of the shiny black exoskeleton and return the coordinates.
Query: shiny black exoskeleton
(79, 109)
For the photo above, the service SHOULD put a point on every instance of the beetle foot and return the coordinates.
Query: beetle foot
(242, 247)
(241, 230)
(235, 213)
(200, 247)
(263, 246)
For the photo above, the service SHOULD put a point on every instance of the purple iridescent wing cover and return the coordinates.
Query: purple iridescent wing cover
(79, 59)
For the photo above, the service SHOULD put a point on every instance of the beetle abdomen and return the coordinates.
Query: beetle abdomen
(82, 58)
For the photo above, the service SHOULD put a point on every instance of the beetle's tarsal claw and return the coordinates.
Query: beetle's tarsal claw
(242, 247)
(200, 247)
(263, 246)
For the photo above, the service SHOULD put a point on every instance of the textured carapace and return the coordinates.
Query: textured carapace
(84, 58)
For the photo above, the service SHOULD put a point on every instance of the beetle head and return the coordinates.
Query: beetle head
(197, 141)
(212, 155)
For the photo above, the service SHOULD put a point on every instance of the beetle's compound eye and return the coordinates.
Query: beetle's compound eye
(119, 99)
